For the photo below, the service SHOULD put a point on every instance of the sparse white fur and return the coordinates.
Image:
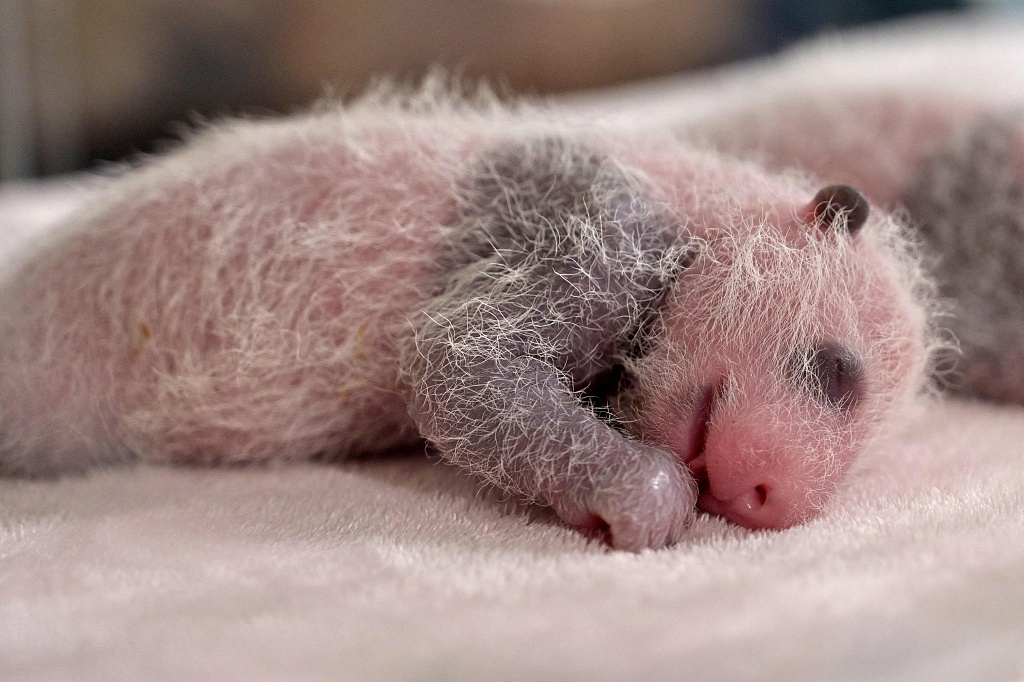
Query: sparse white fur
(951, 161)
(249, 297)
(750, 275)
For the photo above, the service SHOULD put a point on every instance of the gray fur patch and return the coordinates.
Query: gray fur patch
(557, 262)
(968, 204)
(566, 221)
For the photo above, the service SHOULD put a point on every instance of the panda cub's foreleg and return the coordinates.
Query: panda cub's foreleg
(556, 264)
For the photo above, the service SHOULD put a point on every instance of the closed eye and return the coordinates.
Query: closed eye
(831, 372)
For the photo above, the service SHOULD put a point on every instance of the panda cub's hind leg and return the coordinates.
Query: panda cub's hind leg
(968, 203)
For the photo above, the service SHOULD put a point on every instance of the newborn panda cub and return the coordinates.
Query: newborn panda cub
(620, 328)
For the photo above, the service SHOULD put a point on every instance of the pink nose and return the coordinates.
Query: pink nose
(759, 501)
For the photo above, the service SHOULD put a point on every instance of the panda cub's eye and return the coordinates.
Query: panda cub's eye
(832, 373)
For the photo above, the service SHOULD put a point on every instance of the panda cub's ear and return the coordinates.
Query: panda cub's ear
(838, 204)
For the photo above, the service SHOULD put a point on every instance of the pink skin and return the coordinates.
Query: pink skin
(751, 468)
(107, 367)
(140, 342)
(877, 142)
(914, 149)
(765, 453)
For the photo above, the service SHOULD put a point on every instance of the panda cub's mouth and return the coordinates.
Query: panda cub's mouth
(698, 434)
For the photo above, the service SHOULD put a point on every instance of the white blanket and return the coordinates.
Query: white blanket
(404, 569)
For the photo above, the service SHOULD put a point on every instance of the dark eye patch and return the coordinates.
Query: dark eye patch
(832, 373)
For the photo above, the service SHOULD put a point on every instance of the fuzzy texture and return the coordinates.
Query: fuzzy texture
(349, 280)
(954, 163)
(830, 291)
(556, 266)
(968, 203)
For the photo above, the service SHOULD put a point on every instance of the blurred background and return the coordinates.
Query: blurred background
(83, 81)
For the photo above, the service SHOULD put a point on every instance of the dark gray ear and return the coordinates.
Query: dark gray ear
(835, 200)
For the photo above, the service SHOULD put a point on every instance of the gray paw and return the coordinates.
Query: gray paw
(647, 503)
